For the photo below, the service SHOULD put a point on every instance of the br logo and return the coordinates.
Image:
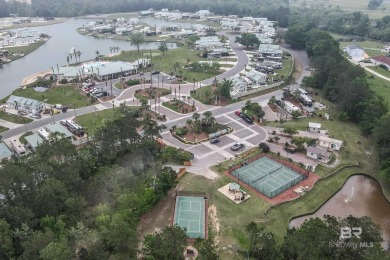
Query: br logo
(346, 232)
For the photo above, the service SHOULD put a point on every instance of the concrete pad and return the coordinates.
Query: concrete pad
(236, 126)
(223, 119)
(225, 140)
(255, 140)
(199, 150)
(233, 195)
(243, 133)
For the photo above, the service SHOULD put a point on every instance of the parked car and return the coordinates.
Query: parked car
(58, 106)
(237, 146)
(155, 72)
(214, 140)
(237, 112)
(63, 122)
(35, 116)
(22, 112)
(56, 111)
(248, 119)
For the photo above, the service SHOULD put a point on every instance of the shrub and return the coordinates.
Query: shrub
(63, 81)
(264, 147)
(181, 131)
(133, 82)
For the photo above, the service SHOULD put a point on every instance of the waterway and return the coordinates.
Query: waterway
(360, 196)
(63, 37)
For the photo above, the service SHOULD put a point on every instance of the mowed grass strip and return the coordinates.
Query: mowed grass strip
(165, 62)
(14, 118)
(65, 95)
(94, 121)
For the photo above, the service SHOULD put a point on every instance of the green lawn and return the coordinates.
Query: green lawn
(93, 121)
(23, 49)
(14, 118)
(166, 62)
(380, 86)
(380, 70)
(3, 129)
(22, 139)
(287, 65)
(233, 218)
(347, 5)
(65, 95)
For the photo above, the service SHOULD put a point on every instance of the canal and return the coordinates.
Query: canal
(64, 37)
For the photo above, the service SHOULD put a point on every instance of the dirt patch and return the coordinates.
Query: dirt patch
(158, 217)
(214, 221)
(273, 107)
(107, 98)
(151, 93)
(192, 137)
(179, 106)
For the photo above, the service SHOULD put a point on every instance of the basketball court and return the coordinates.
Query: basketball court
(190, 214)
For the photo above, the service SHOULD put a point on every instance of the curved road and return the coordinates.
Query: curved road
(173, 117)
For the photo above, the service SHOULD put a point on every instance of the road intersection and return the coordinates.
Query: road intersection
(206, 154)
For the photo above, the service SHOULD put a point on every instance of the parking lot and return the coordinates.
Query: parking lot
(208, 154)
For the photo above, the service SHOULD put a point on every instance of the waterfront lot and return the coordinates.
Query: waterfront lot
(66, 95)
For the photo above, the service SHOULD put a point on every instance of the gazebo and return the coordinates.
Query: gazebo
(234, 187)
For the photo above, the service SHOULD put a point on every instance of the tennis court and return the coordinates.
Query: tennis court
(190, 214)
(268, 176)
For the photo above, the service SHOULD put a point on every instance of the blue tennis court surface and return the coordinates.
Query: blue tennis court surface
(190, 214)
(268, 176)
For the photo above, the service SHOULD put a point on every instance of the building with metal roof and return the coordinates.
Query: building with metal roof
(23, 103)
(5, 152)
(58, 128)
(34, 140)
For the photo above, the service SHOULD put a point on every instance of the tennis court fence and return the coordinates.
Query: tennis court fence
(286, 163)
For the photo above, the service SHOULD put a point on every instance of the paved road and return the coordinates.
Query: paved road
(205, 153)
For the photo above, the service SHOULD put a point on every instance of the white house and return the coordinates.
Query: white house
(290, 107)
(22, 103)
(356, 52)
(240, 85)
(317, 153)
(256, 77)
(314, 127)
(330, 143)
(203, 13)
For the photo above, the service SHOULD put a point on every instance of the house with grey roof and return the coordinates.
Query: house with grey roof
(240, 85)
(33, 141)
(5, 152)
(58, 128)
(210, 43)
(256, 77)
(28, 104)
(318, 153)
(270, 50)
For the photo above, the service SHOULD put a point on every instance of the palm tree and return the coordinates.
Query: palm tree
(196, 117)
(189, 122)
(67, 59)
(208, 115)
(70, 56)
(75, 55)
(78, 55)
(207, 95)
(97, 55)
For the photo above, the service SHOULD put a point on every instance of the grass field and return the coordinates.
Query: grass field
(65, 95)
(380, 70)
(3, 129)
(233, 218)
(93, 121)
(166, 62)
(380, 86)
(23, 49)
(14, 118)
(348, 5)
(287, 65)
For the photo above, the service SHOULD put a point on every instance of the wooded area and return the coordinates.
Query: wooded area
(276, 10)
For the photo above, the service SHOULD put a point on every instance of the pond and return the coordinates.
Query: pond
(360, 196)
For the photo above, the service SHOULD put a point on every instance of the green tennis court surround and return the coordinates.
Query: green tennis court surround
(268, 176)
(190, 214)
